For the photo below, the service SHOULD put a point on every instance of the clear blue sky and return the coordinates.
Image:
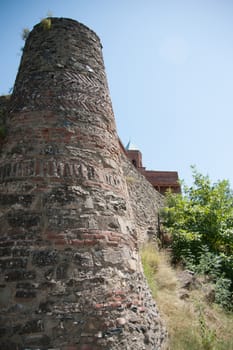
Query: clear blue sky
(170, 71)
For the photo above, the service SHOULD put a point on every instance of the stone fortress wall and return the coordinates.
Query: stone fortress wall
(74, 210)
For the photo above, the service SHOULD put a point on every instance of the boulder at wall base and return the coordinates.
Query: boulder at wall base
(71, 277)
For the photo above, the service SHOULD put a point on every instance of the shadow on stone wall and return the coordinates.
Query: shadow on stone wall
(4, 103)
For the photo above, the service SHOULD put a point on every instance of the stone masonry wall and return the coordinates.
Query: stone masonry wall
(71, 277)
(4, 103)
(144, 201)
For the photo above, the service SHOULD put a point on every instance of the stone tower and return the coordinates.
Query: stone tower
(71, 277)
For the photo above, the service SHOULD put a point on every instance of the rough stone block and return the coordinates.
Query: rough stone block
(44, 257)
(25, 294)
(23, 219)
(17, 275)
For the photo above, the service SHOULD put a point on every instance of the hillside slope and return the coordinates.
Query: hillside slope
(193, 321)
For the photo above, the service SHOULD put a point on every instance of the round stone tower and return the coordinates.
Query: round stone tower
(71, 277)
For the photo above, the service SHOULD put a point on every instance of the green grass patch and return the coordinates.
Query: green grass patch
(150, 263)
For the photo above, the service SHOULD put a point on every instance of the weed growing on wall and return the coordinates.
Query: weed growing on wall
(46, 23)
(25, 33)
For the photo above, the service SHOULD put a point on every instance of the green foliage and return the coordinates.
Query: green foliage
(223, 295)
(201, 224)
(46, 23)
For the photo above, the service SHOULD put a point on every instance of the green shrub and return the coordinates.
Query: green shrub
(201, 224)
(223, 295)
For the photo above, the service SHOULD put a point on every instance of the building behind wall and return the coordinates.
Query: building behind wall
(160, 180)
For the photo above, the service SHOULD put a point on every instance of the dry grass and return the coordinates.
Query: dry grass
(192, 323)
(150, 262)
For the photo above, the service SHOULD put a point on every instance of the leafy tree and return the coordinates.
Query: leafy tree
(201, 224)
